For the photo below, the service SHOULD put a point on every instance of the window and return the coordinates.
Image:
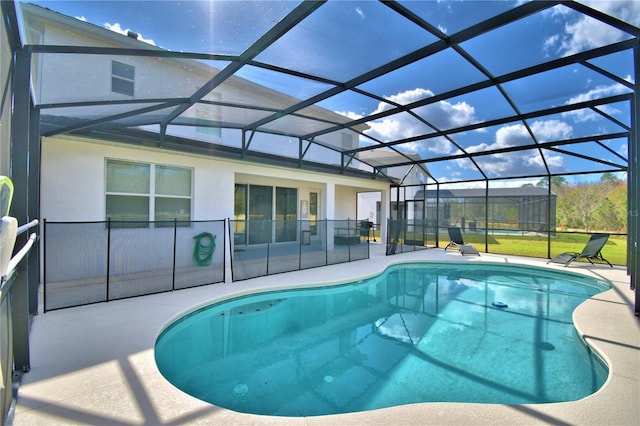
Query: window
(137, 192)
(122, 78)
(128, 191)
(172, 193)
(210, 115)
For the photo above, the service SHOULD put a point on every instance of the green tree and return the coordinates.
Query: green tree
(577, 204)
(610, 180)
(618, 197)
(558, 182)
(593, 206)
(605, 216)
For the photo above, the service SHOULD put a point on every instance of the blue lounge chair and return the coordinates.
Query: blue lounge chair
(591, 252)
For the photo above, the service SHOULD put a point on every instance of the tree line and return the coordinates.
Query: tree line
(590, 206)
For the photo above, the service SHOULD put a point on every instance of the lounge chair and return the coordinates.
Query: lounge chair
(455, 235)
(590, 252)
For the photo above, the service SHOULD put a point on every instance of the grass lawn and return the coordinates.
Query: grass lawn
(615, 251)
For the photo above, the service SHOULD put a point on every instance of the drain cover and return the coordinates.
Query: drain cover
(240, 389)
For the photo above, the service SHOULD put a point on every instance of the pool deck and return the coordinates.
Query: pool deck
(95, 364)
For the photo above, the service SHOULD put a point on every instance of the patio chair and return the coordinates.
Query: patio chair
(455, 235)
(591, 252)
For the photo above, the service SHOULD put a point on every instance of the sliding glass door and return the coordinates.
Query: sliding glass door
(254, 213)
(260, 214)
(286, 214)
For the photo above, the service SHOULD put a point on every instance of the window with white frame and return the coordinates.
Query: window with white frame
(210, 115)
(143, 192)
(122, 78)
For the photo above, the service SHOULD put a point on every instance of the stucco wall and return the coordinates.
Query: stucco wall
(346, 210)
(73, 181)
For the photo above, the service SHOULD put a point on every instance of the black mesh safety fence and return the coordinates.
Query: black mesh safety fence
(347, 241)
(90, 262)
(200, 254)
(75, 263)
(260, 248)
(405, 235)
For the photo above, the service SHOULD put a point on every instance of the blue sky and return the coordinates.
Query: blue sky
(343, 39)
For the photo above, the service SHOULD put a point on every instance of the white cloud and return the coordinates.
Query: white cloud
(397, 126)
(438, 145)
(550, 44)
(118, 29)
(624, 150)
(403, 98)
(555, 162)
(441, 114)
(350, 114)
(547, 130)
(525, 162)
(596, 93)
(626, 10)
(586, 32)
(445, 115)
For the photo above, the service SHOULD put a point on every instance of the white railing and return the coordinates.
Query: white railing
(17, 258)
(14, 298)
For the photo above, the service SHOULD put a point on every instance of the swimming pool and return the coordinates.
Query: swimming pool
(419, 332)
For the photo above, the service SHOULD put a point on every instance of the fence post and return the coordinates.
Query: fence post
(299, 245)
(173, 270)
(231, 244)
(224, 250)
(368, 248)
(349, 238)
(108, 255)
(326, 242)
(44, 264)
(268, 247)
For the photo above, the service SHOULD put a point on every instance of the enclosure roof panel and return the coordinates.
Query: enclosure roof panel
(463, 91)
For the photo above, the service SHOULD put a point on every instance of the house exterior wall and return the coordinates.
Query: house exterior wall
(73, 181)
(346, 210)
(73, 168)
(59, 78)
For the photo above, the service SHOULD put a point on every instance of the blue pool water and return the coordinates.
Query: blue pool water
(418, 332)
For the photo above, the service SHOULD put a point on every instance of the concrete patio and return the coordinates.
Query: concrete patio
(95, 364)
